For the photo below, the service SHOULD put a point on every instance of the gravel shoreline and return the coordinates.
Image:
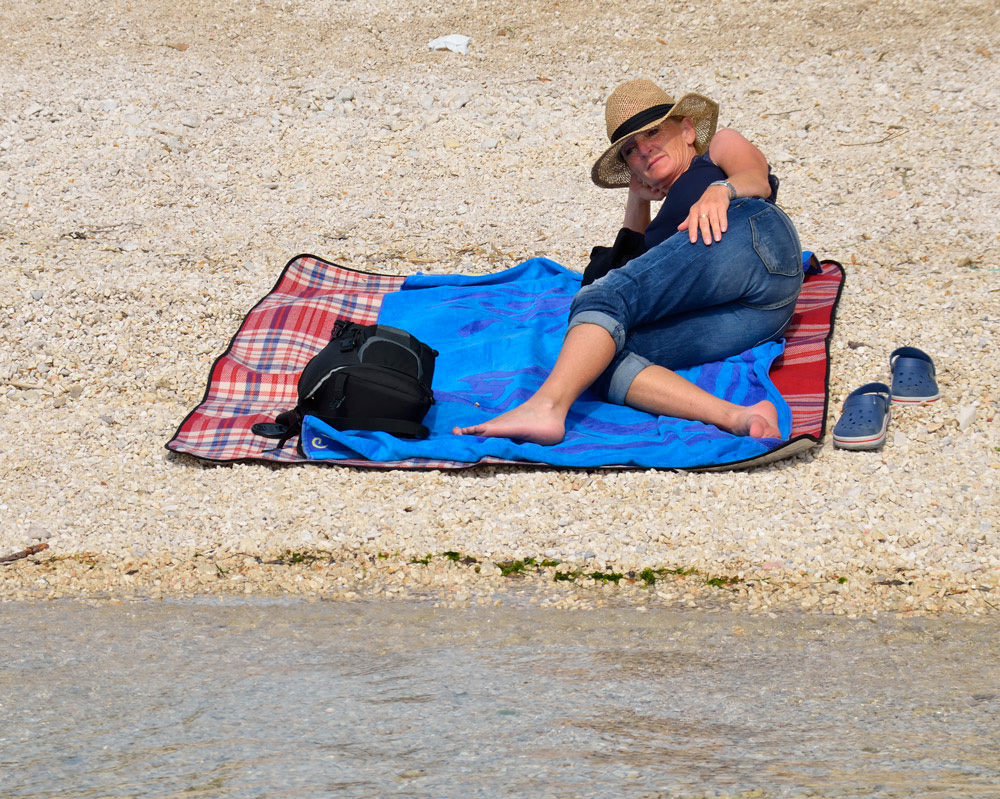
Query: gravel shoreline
(452, 580)
(159, 166)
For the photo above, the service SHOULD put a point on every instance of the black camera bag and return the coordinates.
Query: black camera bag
(369, 377)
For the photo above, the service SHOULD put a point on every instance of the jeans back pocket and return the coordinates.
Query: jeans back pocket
(776, 242)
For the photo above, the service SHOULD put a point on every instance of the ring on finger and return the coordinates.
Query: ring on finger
(704, 216)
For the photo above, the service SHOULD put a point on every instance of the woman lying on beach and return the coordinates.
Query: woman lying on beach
(715, 273)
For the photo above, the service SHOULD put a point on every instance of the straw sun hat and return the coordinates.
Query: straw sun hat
(640, 105)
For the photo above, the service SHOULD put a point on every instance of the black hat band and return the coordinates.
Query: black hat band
(640, 120)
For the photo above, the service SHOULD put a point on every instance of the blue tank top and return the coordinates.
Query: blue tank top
(681, 196)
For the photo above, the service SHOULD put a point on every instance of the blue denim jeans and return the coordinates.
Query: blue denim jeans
(682, 304)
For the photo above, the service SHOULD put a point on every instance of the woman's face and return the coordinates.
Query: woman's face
(660, 155)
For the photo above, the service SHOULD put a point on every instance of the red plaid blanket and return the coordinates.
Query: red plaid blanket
(256, 377)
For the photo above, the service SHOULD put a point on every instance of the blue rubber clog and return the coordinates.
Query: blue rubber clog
(913, 380)
(865, 418)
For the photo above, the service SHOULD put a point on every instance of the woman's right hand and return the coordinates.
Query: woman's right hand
(643, 191)
(640, 195)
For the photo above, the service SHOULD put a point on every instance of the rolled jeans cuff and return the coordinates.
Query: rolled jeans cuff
(624, 373)
(615, 328)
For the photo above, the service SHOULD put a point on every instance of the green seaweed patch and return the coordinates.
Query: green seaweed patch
(650, 576)
(292, 557)
(722, 582)
(458, 557)
(600, 577)
(510, 568)
(452, 555)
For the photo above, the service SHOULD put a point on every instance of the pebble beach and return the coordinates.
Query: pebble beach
(160, 163)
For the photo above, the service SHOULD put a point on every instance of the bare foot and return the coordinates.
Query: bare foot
(757, 421)
(535, 421)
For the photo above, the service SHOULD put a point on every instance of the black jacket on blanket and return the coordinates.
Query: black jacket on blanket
(628, 245)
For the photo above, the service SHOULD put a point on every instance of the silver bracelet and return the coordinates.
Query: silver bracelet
(728, 185)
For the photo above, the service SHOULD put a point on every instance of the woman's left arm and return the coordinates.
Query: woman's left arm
(746, 170)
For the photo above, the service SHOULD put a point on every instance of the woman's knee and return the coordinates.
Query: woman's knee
(591, 305)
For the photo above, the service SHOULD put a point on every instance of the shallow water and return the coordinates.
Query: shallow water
(289, 699)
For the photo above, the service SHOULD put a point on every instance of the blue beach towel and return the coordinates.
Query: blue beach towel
(498, 336)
